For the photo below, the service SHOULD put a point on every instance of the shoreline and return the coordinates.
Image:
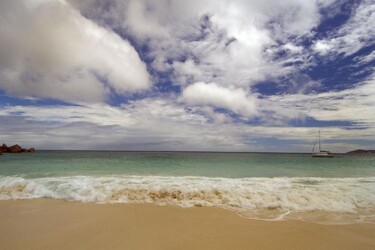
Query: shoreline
(321, 200)
(57, 224)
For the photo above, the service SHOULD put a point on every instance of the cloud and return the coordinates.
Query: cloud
(211, 114)
(186, 72)
(205, 59)
(48, 49)
(142, 23)
(366, 58)
(207, 41)
(293, 48)
(210, 94)
(355, 105)
(323, 47)
(158, 124)
(354, 35)
(151, 123)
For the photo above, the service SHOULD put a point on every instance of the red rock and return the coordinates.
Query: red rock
(15, 149)
(4, 148)
(31, 150)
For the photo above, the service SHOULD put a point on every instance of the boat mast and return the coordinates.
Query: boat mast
(316, 139)
(320, 150)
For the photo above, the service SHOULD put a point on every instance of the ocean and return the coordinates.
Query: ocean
(267, 186)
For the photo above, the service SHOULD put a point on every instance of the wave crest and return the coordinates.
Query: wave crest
(251, 197)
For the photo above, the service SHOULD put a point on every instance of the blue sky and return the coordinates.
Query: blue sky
(187, 75)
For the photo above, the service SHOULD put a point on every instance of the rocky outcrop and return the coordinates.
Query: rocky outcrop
(4, 148)
(361, 152)
(15, 149)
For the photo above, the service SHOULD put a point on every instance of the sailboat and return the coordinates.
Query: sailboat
(321, 153)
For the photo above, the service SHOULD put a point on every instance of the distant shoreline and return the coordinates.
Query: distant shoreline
(203, 152)
(361, 152)
(171, 151)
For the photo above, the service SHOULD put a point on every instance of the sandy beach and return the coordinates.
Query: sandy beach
(53, 224)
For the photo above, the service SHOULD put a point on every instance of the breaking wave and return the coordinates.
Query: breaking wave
(349, 199)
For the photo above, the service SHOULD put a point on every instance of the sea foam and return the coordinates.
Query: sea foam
(271, 198)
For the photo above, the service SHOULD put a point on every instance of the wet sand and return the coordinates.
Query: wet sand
(53, 224)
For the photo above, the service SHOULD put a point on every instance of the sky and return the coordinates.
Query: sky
(239, 75)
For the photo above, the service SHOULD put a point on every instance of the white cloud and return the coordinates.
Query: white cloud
(356, 33)
(226, 40)
(186, 72)
(155, 124)
(293, 48)
(215, 50)
(142, 23)
(210, 113)
(322, 47)
(152, 123)
(354, 105)
(48, 49)
(366, 58)
(211, 94)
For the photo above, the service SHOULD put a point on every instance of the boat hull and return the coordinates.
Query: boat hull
(323, 156)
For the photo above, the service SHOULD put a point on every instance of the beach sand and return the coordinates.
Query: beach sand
(53, 224)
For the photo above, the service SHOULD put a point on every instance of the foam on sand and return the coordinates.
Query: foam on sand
(348, 199)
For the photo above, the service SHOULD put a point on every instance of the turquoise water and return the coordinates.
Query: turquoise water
(231, 165)
(255, 185)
